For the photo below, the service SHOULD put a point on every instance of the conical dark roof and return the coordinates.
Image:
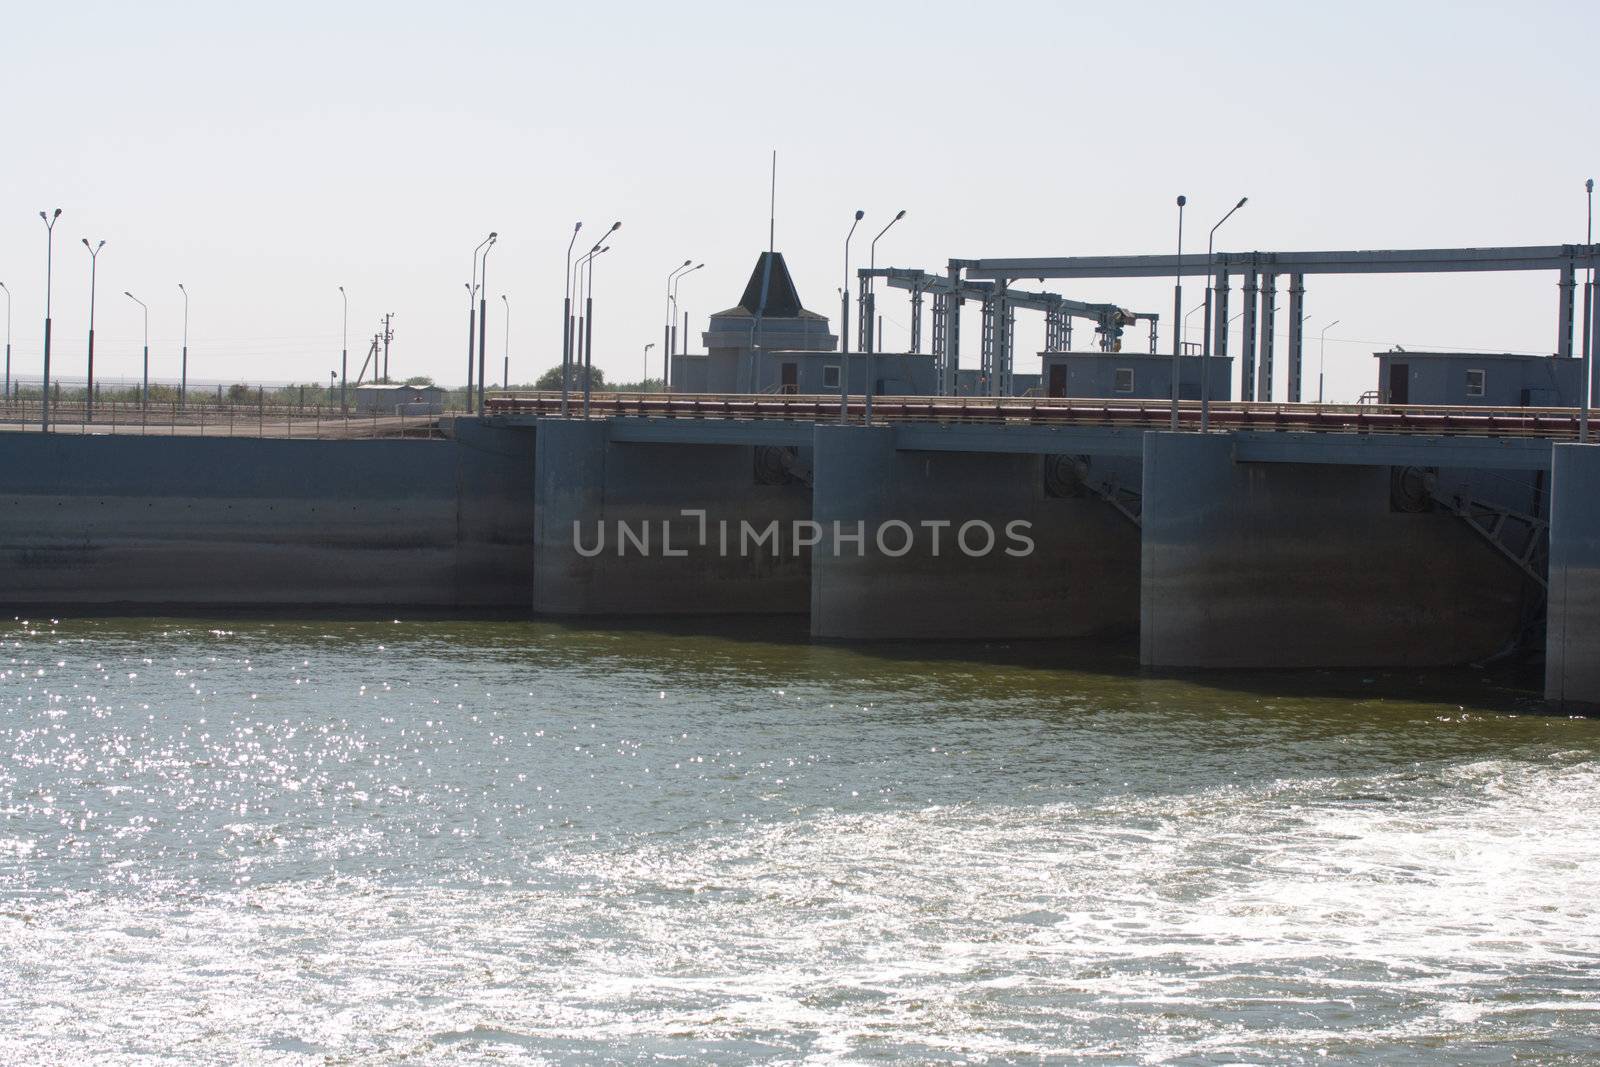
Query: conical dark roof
(772, 274)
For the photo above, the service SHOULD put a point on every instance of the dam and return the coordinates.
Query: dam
(882, 498)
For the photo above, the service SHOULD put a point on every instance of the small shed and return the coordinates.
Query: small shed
(1466, 379)
(1131, 375)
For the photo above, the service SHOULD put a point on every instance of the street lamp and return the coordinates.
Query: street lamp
(49, 270)
(1205, 340)
(667, 339)
(1322, 352)
(505, 370)
(1177, 311)
(667, 362)
(8, 340)
(472, 316)
(646, 376)
(144, 391)
(344, 350)
(483, 318)
(88, 393)
(587, 269)
(871, 295)
(844, 322)
(1591, 319)
(566, 324)
(183, 379)
(872, 306)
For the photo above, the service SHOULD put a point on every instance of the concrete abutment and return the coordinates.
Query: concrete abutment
(1273, 565)
(1069, 569)
(1572, 654)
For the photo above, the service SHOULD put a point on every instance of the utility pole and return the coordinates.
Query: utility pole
(388, 335)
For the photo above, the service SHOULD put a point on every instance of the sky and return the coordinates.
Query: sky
(264, 155)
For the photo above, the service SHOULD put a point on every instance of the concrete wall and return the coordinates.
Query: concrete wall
(582, 476)
(176, 520)
(1081, 579)
(1572, 660)
(1280, 565)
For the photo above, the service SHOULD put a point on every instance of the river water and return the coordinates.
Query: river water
(424, 840)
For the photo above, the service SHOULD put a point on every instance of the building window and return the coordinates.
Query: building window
(830, 376)
(1474, 383)
(1124, 382)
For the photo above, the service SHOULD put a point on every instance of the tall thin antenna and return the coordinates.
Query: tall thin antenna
(772, 215)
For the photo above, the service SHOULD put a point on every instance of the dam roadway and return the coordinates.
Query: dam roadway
(1285, 536)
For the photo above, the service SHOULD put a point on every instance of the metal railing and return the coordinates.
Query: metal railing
(210, 420)
(1557, 423)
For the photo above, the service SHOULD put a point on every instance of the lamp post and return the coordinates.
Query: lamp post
(666, 363)
(144, 390)
(1205, 340)
(1177, 311)
(872, 305)
(472, 318)
(483, 318)
(646, 367)
(587, 269)
(8, 339)
(1591, 320)
(183, 377)
(844, 322)
(88, 392)
(505, 369)
(344, 351)
(1322, 352)
(566, 324)
(667, 340)
(871, 295)
(49, 270)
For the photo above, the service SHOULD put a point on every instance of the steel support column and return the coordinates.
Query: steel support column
(1216, 341)
(1269, 324)
(1568, 287)
(952, 334)
(916, 320)
(1297, 302)
(1247, 338)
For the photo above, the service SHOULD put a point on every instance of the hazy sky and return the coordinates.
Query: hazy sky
(265, 155)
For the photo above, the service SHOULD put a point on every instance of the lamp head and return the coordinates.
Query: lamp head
(900, 216)
(1241, 203)
(697, 266)
(860, 215)
(616, 225)
(687, 262)
(493, 236)
(185, 291)
(1182, 200)
(57, 215)
(576, 227)
(86, 242)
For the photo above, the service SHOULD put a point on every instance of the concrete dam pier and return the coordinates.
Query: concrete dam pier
(1236, 548)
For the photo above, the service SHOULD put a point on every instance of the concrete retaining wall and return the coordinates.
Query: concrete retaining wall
(1081, 578)
(1572, 662)
(154, 520)
(1287, 565)
(585, 478)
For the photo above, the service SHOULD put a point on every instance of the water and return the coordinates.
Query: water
(425, 841)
